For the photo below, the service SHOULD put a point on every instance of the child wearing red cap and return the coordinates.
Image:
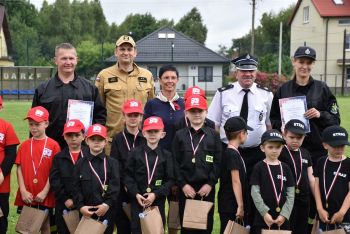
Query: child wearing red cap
(122, 144)
(197, 153)
(96, 179)
(8, 146)
(149, 173)
(34, 159)
(63, 168)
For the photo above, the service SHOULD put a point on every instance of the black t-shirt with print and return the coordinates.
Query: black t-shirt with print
(231, 160)
(261, 177)
(303, 185)
(340, 188)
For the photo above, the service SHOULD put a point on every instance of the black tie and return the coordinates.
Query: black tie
(244, 108)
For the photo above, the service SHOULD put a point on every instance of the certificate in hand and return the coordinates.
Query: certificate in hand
(82, 110)
(294, 108)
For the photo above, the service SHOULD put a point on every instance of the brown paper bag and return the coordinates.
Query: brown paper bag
(1, 213)
(336, 231)
(127, 210)
(72, 219)
(151, 221)
(235, 228)
(196, 214)
(174, 216)
(30, 220)
(315, 226)
(268, 231)
(89, 225)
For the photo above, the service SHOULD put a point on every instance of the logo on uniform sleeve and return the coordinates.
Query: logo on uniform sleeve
(47, 152)
(209, 158)
(39, 113)
(261, 116)
(112, 79)
(334, 109)
(2, 136)
(142, 79)
(158, 182)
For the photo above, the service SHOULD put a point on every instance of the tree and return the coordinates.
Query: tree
(192, 25)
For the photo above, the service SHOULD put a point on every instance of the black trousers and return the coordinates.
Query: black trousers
(121, 220)
(4, 204)
(60, 224)
(299, 217)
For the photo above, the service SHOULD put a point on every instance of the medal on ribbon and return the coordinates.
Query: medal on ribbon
(150, 175)
(277, 196)
(194, 149)
(35, 180)
(297, 178)
(326, 193)
(103, 185)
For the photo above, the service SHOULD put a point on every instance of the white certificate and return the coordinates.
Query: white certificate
(294, 108)
(82, 110)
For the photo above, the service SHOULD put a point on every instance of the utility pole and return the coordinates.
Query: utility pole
(343, 70)
(280, 52)
(253, 19)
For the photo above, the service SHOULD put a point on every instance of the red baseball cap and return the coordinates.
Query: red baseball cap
(38, 114)
(73, 125)
(194, 90)
(153, 123)
(196, 101)
(132, 106)
(97, 130)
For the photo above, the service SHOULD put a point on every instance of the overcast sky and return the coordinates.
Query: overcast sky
(225, 19)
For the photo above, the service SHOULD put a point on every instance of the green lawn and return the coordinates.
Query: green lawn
(15, 112)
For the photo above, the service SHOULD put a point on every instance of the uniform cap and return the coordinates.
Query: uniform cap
(305, 51)
(125, 39)
(296, 126)
(246, 62)
(335, 136)
(272, 135)
(194, 90)
(73, 125)
(97, 130)
(132, 106)
(153, 123)
(196, 102)
(235, 124)
(38, 114)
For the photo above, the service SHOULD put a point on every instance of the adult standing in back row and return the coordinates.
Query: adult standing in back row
(120, 82)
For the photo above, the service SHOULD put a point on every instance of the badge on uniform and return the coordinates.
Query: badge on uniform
(209, 158)
(158, 182)
(112, 79)
(142, 79)
(261, 116)
(334, 108)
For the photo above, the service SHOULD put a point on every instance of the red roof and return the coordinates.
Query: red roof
(327, 8)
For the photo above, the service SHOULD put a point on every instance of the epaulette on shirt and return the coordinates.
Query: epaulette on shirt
(263, 87)
(229, 86)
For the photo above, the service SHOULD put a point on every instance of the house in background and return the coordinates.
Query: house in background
(5, 40)
(197, 65)
(321, 24)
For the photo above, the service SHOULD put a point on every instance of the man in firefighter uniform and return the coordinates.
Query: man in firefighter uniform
(123, 81)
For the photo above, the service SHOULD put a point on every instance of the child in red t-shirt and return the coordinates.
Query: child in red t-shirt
(34, 159)
(8, 146)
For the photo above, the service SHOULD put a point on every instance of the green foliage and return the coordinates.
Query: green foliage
(192, 25)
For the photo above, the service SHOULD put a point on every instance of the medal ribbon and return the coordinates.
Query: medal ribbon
(127, 143)
(71, 156)
(41, 158)
(278, 197)
(334, 179)
(233, 147)
(200, 140)
(295, 167)
(97, 176)
(150, 177)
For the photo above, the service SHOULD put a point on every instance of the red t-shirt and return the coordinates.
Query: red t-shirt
(75, 156)
(7, 137)
(43, 171)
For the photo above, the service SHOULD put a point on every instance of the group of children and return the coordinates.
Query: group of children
(139, 173)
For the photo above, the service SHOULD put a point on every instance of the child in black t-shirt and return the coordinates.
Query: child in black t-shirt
(332, 193)
(233, 193)
(272, 186)
(299, 161)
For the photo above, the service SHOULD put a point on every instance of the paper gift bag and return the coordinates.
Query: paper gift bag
(89, 225)
(196, 214)
(268, 231)
(235, 228)
(315, 227)
(127, 210)
(151, 221)
(1, 213)
(336, 231)
(31, 219)
(174, 216)
(72, 219)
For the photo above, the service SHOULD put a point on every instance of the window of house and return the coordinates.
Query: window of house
(347, 42)
(205, 74)
(306, 14)
(154, 71)
(344, 21)
(348, 74)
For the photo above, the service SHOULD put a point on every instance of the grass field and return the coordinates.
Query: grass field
(15, 111)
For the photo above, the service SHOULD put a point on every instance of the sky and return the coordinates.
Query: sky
(225, 19)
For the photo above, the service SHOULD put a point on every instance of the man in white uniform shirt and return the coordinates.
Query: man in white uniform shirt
(247, 99)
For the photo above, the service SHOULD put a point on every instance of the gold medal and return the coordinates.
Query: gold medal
(297, 191)
(105, 187)
(35, 180)
(148, 190)
(278, 209)
(193, 160)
